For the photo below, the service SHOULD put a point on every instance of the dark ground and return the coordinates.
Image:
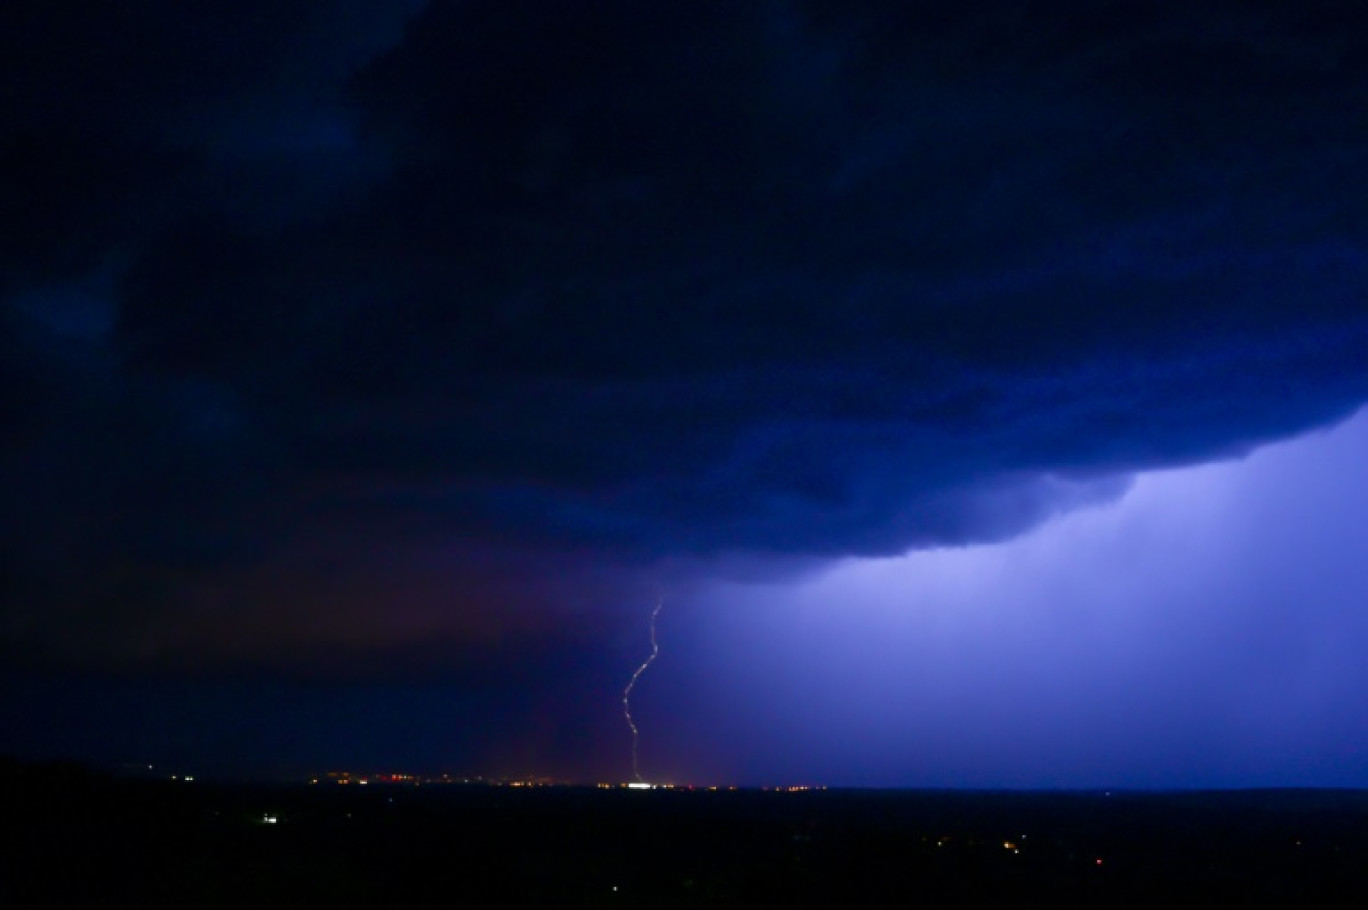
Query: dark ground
(80, 839)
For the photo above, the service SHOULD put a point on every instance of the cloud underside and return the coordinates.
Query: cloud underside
(523, 291)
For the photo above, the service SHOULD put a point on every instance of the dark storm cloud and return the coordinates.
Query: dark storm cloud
(531, 289)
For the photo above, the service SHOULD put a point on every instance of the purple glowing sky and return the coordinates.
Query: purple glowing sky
(366, 369)
(1207, 628)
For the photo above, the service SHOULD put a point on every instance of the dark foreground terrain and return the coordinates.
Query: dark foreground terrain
(76, 839)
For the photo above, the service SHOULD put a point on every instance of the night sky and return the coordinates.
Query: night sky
(975, 383)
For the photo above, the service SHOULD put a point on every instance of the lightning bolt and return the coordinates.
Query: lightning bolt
(631, 684)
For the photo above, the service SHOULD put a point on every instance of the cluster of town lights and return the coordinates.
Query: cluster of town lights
(349, 778)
